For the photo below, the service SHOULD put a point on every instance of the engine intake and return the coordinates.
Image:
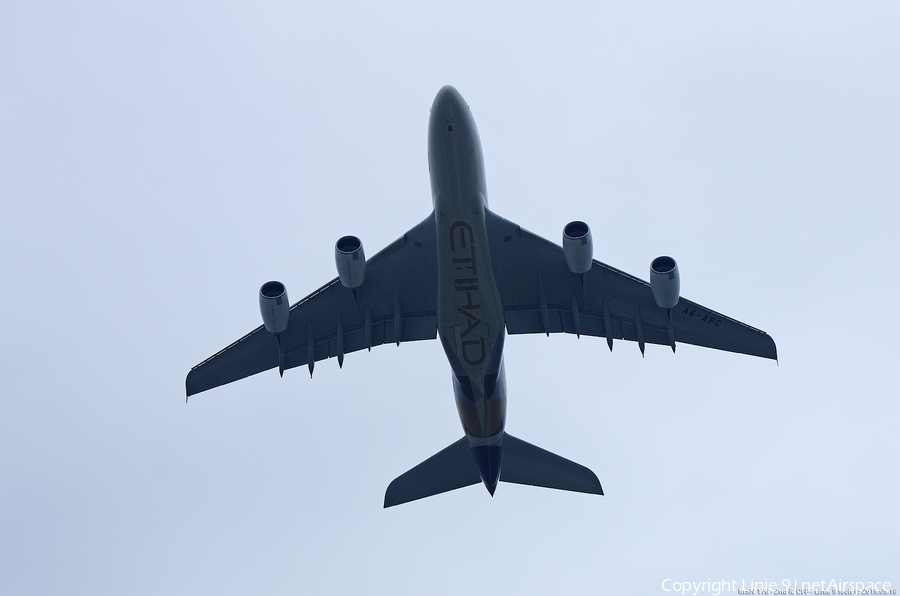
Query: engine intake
(274, 306)
(665, 281)
(578, 246)
(350, 261)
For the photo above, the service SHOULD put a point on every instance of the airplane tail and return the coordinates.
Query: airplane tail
(520, 463)
(453, 467)
(524, 463)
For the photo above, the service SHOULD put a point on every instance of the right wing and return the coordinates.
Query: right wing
(396, 303)
(541, 295)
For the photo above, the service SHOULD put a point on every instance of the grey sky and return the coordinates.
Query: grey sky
(159, 161)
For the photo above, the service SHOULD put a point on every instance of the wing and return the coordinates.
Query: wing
(541, 295)
(396, 303)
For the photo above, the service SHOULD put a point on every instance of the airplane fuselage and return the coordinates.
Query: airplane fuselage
(450, 281)
(470, 312)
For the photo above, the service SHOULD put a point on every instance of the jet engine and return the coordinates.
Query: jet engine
(578, 246)
(665, 281)
(350, 261)
(274, 306)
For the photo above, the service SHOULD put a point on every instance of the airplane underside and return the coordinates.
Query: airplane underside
(469, 277)
(520, 463)
(472, 330)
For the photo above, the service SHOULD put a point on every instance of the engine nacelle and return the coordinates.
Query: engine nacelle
(665, 281)
(578, 246)
(350, 261)
(274, 306)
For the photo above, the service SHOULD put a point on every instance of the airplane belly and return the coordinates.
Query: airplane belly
(470, 313)
(469, 310)
(470, 319)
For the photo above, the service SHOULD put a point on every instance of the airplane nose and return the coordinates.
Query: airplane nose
(447, 102)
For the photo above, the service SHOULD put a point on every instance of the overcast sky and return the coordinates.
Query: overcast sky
(159, 161)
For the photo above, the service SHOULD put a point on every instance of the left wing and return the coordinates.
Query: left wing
(396, 303)
(541, 295)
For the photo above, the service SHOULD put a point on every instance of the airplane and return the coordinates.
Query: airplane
(470, 277)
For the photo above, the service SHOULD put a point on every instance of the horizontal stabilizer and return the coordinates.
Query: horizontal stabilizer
(454, 467)
(523, 463)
